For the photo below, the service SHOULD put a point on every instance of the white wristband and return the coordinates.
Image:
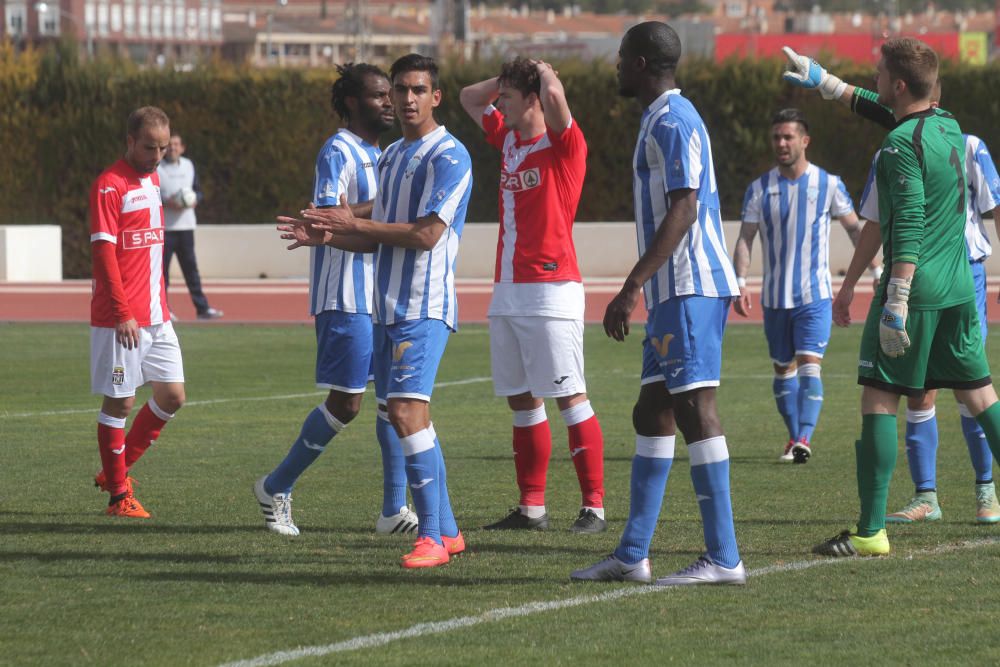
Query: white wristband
(876, 272)
(741, 281)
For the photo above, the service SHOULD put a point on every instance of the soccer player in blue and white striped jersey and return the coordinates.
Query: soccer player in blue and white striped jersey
(425, 180)
(791, 206)
(688, 282)
(340, 290)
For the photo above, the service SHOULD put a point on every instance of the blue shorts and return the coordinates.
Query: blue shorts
(979, 279)
(407, 356)
(343, 351)
(800, 330)
(683, 344)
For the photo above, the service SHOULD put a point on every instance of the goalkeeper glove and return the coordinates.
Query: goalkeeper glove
(807, 73)
(892, 336)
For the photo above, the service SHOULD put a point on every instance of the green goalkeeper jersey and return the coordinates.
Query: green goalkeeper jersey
(921, 185)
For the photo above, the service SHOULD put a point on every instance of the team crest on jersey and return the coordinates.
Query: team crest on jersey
(812, 194)
(118, 375)
(411, 166)
(661, 345)
(142, 238)
(520, 180)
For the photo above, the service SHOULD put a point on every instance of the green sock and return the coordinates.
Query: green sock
(989, 419)
(876, 461)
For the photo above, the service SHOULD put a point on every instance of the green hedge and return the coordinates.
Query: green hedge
(253, 134)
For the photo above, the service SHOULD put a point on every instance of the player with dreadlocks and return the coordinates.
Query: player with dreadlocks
(341, 290)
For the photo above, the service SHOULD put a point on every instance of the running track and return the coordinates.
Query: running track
(287, 301)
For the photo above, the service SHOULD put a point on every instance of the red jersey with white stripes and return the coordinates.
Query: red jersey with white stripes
(540, 184)
(125, 210)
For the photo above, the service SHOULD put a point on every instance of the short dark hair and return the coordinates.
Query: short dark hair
(658, 43)
(790, 116)
(351, 83)
(414, 62)
(912, 62)
(521, 74)
(144, 116)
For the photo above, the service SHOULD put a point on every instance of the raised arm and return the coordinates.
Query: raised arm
(553, 98)
(475, 98)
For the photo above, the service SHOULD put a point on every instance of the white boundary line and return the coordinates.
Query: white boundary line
(215, 401)
(503, 613)
(281, 397)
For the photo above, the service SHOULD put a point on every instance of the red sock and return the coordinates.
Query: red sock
(586, 446)
(144, 432)
(111, 444)
(532, 449)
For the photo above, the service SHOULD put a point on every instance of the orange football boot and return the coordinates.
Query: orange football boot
(454, 545)
(426, 553)
(127, 507)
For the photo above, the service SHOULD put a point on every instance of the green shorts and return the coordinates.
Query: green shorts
(946, 351)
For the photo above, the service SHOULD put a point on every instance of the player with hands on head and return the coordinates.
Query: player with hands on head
(536, 313)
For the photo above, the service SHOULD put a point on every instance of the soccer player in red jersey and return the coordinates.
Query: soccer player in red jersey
(132, 341)
(536, 314)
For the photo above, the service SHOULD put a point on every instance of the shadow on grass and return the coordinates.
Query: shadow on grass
(434, 577)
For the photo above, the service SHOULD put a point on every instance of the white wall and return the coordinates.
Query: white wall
(604, 249)
(30, 253)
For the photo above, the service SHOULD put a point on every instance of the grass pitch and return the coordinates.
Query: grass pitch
(203, 583)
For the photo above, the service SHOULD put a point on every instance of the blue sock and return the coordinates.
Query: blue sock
(446, 519)
(786, 395)
(810, 399)
(921, 448)
(979, 449)
(318, 429)
(650, 469)
(393, 468)
(710, 476)
(422, 474)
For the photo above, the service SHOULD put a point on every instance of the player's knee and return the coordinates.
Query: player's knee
(345, 407)
(922, 402)
(785, 371)
(810, 369)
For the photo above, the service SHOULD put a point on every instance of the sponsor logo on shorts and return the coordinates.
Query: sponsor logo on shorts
(677, 371)
(118, 375)
(403, 378)
(561, 380)
(399, 349)
(520, 180)
(864, 363)
(142, 238)
(661, 344)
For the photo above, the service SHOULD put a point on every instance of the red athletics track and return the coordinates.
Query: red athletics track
(287, 301)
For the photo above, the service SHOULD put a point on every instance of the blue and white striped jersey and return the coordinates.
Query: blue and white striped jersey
(983, 196)
(342, 280)
(418, 178)
(793, 218)
(673, 152)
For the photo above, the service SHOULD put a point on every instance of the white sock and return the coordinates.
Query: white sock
(599, 511)
(532, 511)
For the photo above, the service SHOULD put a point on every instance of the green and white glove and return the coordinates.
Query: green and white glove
(892, 335)
(807, 73)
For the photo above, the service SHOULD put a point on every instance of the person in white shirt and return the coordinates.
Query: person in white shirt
(181, 193)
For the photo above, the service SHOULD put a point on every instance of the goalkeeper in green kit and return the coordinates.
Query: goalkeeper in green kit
(922, 331)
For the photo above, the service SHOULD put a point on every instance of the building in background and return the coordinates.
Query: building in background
(296, 33)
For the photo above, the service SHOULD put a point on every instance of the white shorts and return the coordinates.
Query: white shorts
(118, 372)
(540, 355)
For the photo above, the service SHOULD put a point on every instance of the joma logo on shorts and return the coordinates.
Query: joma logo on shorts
(143, 238)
